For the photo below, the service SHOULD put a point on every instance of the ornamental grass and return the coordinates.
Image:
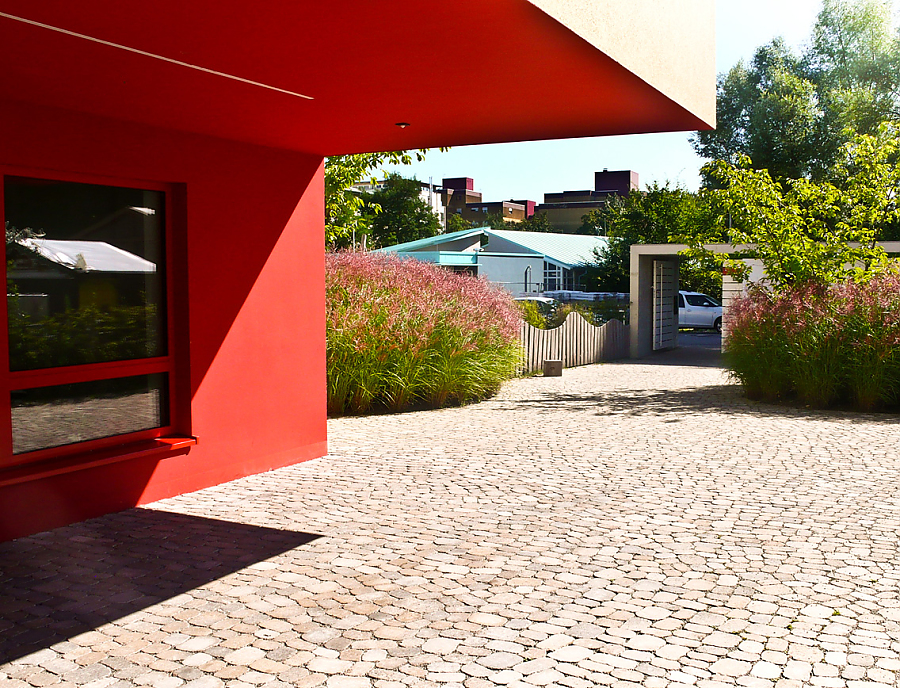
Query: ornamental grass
(404, 334)
(825, 346)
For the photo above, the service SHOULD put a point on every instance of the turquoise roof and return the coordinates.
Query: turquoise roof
(431, 241)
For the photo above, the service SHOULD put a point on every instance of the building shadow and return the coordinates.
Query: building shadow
(699, 349)
(64, 582)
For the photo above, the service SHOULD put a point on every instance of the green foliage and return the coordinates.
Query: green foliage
(824, 345)
(343, 205)
(854, 59)
(595, 222)
(397, 214)
(766, 111)
(662, 214)
(805, 231)
(548, 317)
(532, 314)
(497, 221)
(81, 336)
(792, 115)
(559, 314)
(457, 223)
(536, 223)
(404, 334)
(591, 312)
(602, 312)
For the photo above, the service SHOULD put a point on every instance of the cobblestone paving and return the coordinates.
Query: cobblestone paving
(624, 525)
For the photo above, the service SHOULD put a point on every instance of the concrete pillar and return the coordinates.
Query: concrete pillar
(641, 313)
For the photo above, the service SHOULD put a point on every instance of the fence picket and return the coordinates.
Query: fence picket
(576, 342)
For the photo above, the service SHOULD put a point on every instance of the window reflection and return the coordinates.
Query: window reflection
(64, 414)
(85, 280)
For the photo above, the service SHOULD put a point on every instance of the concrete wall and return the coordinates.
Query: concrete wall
(567, 219)
(657, 40)
(509, 271)
(732, 288)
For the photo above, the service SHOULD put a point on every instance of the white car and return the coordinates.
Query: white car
(699, 310)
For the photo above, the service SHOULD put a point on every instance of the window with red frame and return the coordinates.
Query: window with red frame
(89, 347)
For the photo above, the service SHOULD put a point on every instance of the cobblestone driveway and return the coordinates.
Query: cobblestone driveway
(623, 525)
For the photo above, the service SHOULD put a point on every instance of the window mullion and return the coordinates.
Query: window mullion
(6, 445)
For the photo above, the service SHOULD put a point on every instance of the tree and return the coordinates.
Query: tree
(805, 231)
(342, 202)
(593, 223)
(854, 58)
(401, 213)
(766, 112)
(497, 221)
(792, 115)
(457, 223)
(536, 223)
(655, 216)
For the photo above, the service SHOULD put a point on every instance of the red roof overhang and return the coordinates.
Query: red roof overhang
(461, 72)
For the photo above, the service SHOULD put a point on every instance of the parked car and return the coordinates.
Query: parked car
(699, 310)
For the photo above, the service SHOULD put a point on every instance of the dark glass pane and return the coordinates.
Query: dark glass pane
(47, 417)
(85, 273)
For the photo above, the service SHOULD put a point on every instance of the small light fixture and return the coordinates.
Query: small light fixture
(403, 125)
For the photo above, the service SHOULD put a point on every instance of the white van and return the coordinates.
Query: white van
(699, 310)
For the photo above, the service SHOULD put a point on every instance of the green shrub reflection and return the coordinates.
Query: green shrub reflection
(80, 336)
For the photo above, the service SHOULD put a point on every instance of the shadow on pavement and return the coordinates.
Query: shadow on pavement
(697, 349)
(64, 582)
(720, 399)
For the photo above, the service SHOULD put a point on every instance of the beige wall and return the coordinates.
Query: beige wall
(565, 220)
(662, 41)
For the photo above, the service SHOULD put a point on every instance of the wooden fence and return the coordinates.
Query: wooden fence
(576, 342)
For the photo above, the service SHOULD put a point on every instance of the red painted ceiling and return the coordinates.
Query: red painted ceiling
(460, 72)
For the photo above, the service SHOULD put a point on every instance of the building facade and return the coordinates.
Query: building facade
(190, 142)
(523, 263)
(459, 198)
(565, 210)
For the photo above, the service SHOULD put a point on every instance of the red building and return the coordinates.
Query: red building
(162, 188)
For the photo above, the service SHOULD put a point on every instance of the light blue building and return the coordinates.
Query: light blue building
(521, 262)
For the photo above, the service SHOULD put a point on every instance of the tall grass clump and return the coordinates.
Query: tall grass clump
(402, 334)
(824, 345)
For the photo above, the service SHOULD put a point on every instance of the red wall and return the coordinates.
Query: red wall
(255, 268)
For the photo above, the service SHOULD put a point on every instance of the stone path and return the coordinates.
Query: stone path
(624, 525)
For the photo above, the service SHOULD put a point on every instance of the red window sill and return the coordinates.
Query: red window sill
(162, 447)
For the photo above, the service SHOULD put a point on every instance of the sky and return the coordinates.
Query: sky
(508, 170)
